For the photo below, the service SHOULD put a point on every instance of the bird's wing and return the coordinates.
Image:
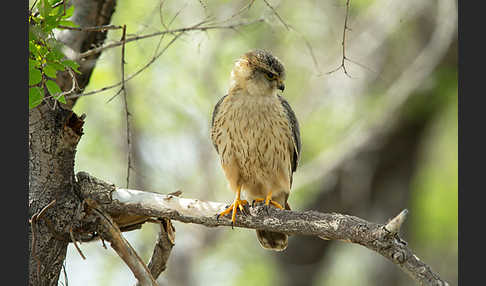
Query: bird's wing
(215, 112)
(294, 125)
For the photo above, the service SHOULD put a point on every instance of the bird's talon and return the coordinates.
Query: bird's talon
(233, 208)
(242, 209)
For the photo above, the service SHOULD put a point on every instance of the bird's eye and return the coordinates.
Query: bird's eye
(270, 76)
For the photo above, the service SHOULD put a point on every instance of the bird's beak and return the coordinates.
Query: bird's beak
(281, 85)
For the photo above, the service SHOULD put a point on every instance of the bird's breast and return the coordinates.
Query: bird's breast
(254, 133)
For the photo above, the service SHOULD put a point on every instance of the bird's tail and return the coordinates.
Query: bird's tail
(273, 240)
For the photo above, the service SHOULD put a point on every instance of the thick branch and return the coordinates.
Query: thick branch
(329, 226)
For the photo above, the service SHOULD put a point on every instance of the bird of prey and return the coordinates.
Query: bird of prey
(257, 137)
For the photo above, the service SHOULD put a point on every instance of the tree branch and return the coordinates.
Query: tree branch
(162, 249)
(110, 232)
(196, 27)
(328, 226)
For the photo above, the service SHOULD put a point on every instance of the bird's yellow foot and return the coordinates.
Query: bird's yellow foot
(233, 209)
(268, 201)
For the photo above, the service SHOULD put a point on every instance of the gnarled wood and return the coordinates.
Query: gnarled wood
(323, 225)
(54, 132)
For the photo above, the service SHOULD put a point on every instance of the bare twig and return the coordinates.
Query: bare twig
(162, 22)
(44, 209)
(73, 239)
(74, 88)
(197, 27)
(365, 133)
(125, 102)
(91, 29)
(166, 26)
(59, 3)
(343, 43)
(32, 7)
(345, 58)
(163, 247)
(306, 42)
(242, 10)
(137, 72)
(110, 231)
(40, 215)
(33, 253)
(53, 6)
(178, 33)
(33, 224)
(276, 14)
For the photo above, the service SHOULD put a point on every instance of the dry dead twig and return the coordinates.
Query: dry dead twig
(75, 242)
(196, 27)
(162, 248)
(291, 28)
(110, 232)
(343, 43)
(33, 222)
(91, 29)
(125, 105)
(177, 33)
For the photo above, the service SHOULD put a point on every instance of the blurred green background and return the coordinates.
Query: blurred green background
(374, 143)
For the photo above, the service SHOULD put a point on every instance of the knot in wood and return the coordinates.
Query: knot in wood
(399, 256)
(362, 229)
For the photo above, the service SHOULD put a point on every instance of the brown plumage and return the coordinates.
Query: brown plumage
(256, 135)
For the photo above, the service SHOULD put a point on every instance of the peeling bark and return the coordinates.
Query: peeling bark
(328, 226)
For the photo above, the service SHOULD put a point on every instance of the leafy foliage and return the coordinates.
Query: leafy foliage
(45, 57)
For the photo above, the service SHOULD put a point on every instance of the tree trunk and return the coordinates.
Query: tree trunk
(54, 132)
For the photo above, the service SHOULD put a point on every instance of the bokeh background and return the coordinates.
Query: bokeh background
(375, 142)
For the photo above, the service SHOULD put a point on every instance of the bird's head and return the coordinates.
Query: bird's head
(259, 72)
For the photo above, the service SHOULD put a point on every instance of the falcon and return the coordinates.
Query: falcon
(256, 135)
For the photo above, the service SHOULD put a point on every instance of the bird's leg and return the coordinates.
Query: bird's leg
(268, 201)
(233, 208)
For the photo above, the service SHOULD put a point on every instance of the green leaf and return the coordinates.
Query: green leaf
(44, 8)
(57, 65)
(61, 99)
(68, 23)
(69, 12)
(35, 76)
(50, 23)
(72, 64)
(55, 54)
(35, 97)
(49, 70)
(32, 35)
(41, 50)
(33, 64)
(57, 11)
(32, 48)
(52, 87)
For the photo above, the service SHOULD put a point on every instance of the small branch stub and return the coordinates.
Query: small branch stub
(394, 225)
